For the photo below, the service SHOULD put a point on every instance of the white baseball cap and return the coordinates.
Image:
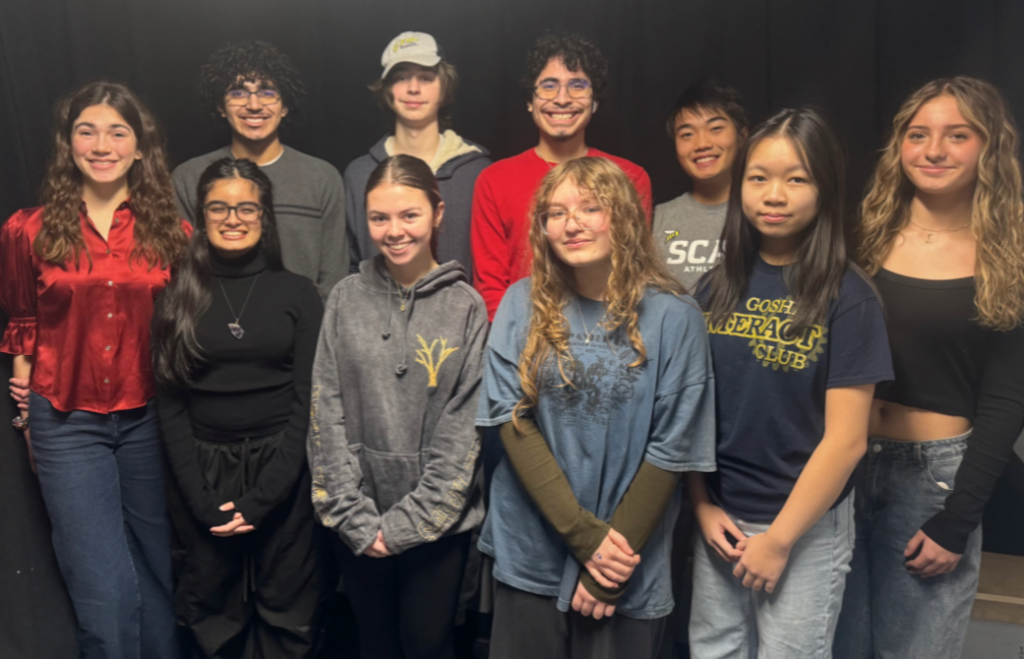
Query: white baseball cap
(416, 47)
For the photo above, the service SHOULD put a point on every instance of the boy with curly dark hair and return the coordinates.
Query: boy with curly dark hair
(565, 78)
(257, 90)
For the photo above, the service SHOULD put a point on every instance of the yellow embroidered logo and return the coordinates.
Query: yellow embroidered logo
(768, 331)
(425, 356)
(405, 43)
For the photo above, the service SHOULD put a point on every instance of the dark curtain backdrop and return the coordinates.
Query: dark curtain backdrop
(857, 59)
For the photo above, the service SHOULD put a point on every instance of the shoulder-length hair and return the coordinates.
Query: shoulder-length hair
(814, 277)
(635, 268)
(159, 238)
(176, 351)
(997, 212)
(446, 74)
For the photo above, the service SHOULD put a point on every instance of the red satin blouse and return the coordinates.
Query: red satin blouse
(87, 328)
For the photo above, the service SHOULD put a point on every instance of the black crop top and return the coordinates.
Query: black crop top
(946, 362)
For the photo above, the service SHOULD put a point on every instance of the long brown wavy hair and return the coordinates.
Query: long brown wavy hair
(159, 238)
(635, 268)
(997, 212)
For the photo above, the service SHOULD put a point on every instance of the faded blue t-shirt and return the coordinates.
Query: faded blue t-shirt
(771, 389)
(599, 431)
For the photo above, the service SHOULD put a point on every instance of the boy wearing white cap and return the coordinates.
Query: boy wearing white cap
(417, 86)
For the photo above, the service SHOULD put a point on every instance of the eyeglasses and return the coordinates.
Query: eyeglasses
(576, 88)
(246, 212)
(241, 96)
(587, 216)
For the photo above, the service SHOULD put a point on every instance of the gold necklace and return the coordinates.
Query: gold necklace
(403, 298)
(933, 232)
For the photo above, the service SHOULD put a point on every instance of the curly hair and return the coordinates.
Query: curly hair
(446, 73)
(635, 268)
(577, 54)
(997, 211)
(256, 62)
(159, 238)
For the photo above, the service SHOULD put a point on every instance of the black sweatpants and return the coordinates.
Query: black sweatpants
(405, 605)
(528, 625)
(255, 595)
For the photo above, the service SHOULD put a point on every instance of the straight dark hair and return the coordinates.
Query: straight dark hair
(709, 95)
(410, 172)
(176, 351)
(814, 277)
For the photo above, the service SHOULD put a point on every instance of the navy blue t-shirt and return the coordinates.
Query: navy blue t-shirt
(770, 390)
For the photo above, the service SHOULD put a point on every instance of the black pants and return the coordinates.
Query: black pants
(528, 625)
(256, 595)
(405, 605)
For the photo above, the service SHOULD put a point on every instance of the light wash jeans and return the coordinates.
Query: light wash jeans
(102, 480)
(887, 612)
(798, 620)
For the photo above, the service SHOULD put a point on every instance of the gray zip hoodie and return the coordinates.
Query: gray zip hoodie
(392, 441)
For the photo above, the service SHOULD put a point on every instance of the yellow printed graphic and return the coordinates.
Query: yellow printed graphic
(669, 235)
(768, 332)
(425, 356)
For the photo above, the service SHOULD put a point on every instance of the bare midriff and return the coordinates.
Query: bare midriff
(911, 424)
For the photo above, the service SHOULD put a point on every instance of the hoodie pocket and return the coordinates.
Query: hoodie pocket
(388, 477)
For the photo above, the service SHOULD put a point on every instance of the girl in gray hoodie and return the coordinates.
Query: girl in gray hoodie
(393, 446)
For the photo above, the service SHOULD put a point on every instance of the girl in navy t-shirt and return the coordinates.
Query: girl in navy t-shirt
(798, 343)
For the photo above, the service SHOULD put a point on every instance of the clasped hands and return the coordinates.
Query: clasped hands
(760, 559)
(611, 566)
(236, 526)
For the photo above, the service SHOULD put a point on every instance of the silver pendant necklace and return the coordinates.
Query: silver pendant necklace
(236, 329)
(587, 335)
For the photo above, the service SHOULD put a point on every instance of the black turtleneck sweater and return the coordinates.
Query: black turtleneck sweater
(251, 387)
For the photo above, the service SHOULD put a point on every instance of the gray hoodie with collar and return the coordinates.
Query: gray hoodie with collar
(392, 441)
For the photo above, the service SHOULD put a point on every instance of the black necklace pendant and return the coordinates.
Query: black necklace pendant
(236, 330)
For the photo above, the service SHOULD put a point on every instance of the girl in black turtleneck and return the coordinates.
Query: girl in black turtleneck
(234, 337)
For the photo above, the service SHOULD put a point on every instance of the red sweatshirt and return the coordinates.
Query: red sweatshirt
(500, 226)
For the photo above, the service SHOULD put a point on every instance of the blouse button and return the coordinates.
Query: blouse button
(108, 347)
(110, 315)
(108, 250)
(106, 380)
(110, 283)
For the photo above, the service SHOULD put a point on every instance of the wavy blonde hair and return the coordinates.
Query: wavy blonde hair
(997, 215)
(635, 268)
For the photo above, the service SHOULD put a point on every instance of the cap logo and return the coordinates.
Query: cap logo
(407, 42)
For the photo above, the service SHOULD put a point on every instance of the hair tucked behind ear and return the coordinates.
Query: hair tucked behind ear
(176, 351)
(821, 261)
(997, 214)
(635, 268)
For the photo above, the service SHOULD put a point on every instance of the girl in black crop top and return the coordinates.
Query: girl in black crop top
(943, 235)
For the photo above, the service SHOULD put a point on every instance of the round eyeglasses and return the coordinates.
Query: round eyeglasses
(246, 212)
(554, 221)
(576, 88)
(241, 96)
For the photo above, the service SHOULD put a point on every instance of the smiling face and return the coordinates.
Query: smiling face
(706, 143)
(779, 198)
(103, 145)
(234, 236)
(402, 222)
(940, 150)
(415, 94)
(252, 120)
(577, 246)
(563, 117)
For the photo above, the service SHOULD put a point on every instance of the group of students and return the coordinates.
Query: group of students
(527, 301)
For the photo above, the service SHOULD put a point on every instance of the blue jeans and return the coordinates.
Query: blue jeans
(798, 620)
(887, 612)
(102, 480)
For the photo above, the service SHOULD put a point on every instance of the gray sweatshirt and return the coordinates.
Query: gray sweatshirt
(456, 178)
(309, 204)
(392, 442)
(687, 236)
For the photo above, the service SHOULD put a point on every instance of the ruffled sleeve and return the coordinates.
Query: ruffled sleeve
(18, 285)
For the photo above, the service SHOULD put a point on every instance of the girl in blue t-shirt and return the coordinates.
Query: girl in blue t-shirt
(798, 343)
(598, 374)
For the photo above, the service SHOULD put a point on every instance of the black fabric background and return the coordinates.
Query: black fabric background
(856, 59)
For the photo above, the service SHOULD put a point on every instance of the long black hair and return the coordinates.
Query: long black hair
(176, 351)
(814, 277)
